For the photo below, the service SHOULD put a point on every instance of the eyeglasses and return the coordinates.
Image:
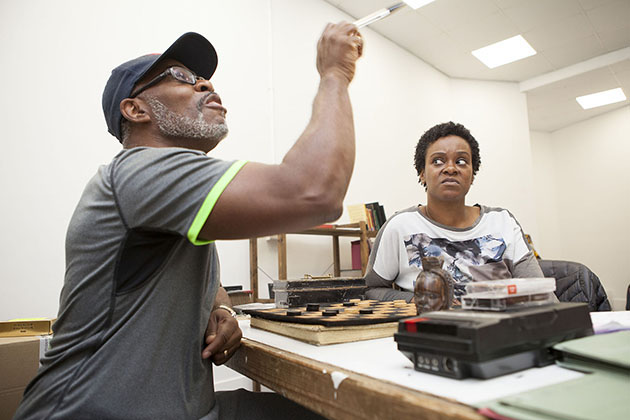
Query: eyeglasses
(180, 74)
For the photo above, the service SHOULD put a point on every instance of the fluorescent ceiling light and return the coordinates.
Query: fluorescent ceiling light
(383, 13)
(601, 98)
(415, 4)
(503, 52)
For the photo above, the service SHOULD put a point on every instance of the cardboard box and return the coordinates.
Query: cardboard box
(19, 361)
(239, 297)
(26, 327)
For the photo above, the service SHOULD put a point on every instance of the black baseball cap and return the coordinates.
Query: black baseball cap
(191, 49)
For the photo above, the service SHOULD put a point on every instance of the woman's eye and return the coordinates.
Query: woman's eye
(461, 161)
(438, 161)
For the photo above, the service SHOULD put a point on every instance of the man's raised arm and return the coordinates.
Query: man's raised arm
(308, 187)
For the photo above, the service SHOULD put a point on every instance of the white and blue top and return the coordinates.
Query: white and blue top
(494, 247)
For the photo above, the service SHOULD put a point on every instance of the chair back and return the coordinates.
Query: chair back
(575, 282)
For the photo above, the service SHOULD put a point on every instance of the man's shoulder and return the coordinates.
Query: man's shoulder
(157, 159)
(149, 153)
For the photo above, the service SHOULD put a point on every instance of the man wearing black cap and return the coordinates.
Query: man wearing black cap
(141, 311)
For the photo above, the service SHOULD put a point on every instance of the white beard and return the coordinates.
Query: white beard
(172, 124)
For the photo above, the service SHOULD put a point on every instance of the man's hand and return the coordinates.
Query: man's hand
(338, 50)
(223, 336)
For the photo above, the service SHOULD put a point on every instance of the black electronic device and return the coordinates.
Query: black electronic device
(325, 289)
(461, 343)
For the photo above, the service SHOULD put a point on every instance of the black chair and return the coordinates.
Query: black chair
(576, 283)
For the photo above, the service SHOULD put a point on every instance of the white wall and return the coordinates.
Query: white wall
(582, 171)
(496, 114)
(58, 56)
(545, 172)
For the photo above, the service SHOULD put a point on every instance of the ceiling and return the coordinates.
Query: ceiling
(583, 47)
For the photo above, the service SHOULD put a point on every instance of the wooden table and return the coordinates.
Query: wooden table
(371, 379)
(305, 381)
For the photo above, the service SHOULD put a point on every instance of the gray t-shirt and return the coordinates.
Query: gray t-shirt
(138, 292)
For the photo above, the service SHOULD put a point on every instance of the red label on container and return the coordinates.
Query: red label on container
(511, 289)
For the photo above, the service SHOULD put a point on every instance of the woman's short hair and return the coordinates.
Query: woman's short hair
(442, 130)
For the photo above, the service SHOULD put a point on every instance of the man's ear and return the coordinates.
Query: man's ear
(135, 110)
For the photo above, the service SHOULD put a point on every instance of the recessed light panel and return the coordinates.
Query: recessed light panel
(503, 52)
(601, 98)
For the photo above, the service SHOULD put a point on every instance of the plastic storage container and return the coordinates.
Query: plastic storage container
(502, 295)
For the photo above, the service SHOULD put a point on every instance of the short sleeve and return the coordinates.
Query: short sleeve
(387, 253)
(169, 189)
(518, 244)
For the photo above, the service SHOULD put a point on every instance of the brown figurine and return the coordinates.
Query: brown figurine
(434, 286)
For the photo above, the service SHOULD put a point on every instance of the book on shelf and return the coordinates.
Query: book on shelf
(373, 214)
(357, 213)
(371, 222)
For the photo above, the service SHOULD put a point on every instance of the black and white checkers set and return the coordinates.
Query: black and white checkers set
(352, 312)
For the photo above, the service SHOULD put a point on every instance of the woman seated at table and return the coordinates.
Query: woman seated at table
(476, 242)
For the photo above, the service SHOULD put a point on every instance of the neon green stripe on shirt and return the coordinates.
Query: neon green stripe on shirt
(210, 201)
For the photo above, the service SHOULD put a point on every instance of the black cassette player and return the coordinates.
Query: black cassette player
(462, 343)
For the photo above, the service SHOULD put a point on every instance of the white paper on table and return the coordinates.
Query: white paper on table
(610, 321)
(381, 359)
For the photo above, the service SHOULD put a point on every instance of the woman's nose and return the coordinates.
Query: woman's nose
(450, 168)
